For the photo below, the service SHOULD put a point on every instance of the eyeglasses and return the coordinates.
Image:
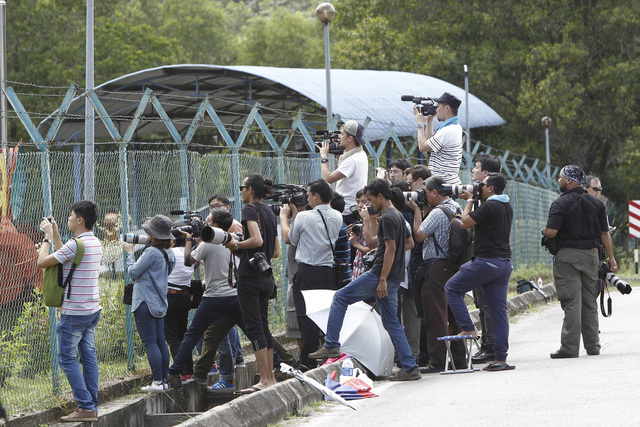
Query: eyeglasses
(242, 187)
(219, 205)
(597, 189)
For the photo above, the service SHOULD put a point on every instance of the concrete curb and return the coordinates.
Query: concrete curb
(268, 406)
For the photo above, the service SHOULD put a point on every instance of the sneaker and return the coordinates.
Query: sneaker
(153, 387)
(186, 379)
(214, 369)
(326, 353)
(80, 415)
(413, 374)
(174, 381)
(221, 385)
(240, 362)
(199, 380)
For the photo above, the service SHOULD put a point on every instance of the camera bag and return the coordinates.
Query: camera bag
(340, 266)
(52, 284)
(460, 240)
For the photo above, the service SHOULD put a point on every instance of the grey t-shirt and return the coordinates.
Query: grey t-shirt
(215, 260)
(392, 226)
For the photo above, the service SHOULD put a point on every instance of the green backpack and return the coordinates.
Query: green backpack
(52, 286)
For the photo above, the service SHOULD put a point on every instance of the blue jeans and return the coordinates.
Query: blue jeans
(234, 340)
(362, 288)
(493, 275)
(151, 331)
(76, 335)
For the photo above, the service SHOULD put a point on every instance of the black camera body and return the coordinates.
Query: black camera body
(193, 220)
(418, 196)
(425, 105)
(334, 141)
(605, 274)
(259, 262)
(356, 228)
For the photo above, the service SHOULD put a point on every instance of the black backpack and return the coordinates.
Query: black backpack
(460, 240)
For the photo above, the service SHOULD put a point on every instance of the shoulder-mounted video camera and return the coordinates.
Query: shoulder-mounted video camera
(193, 220)
(334, 141)
(425, 105)
(285, 194)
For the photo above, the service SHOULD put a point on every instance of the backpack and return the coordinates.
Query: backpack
(52, 285)
(460, 240)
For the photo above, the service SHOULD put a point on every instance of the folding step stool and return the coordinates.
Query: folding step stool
(469, 344)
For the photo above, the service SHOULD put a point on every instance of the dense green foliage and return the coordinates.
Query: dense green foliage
(575, 61)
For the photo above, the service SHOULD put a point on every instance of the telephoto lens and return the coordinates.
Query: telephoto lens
(135, 239)
(215, 235)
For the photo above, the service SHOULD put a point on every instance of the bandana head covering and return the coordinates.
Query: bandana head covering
(574, 173)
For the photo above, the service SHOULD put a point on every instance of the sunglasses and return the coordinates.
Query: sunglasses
(597, 189)
(242, 187)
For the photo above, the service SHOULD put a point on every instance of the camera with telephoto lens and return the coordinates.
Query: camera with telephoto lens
(259, 262)
(425, 105)
(193, 220)
(135, 239)
(418, 196)
(454, 190)
(356, 228)
(218, 236)
(334, 141)
(604, 273)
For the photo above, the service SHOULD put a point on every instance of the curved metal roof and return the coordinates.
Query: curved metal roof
(356, 94)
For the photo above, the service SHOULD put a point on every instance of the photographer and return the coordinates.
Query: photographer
(312, 233)
(577, 220)
(356, 236)
(490, 267)
(446, 144)
(382, 281)
(484, 165)
(438, 318)
(255, 277)
(396, 172)
(353, 165)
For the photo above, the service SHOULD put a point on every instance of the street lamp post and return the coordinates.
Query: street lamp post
(326, 13)
(546, 122)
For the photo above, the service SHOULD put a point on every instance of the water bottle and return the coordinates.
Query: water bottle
(347, 370)
(540, 281)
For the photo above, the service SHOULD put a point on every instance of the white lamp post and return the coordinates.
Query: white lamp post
(326, 13)
(546, 122)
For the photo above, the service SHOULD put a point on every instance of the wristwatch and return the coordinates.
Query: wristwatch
(324, 160)
(420, 125)
(235, 247)
(46, 240)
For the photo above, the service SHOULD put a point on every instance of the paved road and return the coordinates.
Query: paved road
(589, 391)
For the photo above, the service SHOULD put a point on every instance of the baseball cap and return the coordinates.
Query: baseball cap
(449, 100)
(356, 130)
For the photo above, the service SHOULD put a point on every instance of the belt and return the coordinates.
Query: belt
(176, 291)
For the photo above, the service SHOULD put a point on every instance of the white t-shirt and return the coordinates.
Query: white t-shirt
(446, 153)
(355, 169)
(85, 294)
(215, 260)
(181, 274)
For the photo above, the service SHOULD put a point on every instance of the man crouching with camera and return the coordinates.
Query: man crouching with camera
(314, 234)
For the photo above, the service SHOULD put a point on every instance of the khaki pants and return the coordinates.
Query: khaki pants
(575, 272)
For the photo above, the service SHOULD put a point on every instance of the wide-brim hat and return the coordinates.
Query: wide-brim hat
(159, 227)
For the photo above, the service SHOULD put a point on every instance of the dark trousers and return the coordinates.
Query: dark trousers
(415, 286)
(310, 277)
(438, 318)
(209, 311)
(175, 325)
(253, 294)
(488, 338)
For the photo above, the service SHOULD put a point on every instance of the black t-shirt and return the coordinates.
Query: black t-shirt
(392, 226)
(493, 229)
(267, 224)
(579, 218)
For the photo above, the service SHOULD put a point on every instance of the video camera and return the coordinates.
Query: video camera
(334, 141)
(454, 190)
(194, 223)
(425, 105)
(285, 194)
(604, 273)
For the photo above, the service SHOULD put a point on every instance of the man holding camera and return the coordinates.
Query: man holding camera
(313, 233)
(382, 281)
(353, 166)
(490, 267)
(438, 318)
(484, 165)
(445, 145)
(577, 220)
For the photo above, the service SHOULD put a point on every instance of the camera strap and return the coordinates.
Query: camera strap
(604, 284)
(233, 272)
(335, 261)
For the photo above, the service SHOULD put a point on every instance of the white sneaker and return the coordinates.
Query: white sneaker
(153, 387)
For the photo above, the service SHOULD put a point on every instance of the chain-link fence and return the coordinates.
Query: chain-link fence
(29, 376)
